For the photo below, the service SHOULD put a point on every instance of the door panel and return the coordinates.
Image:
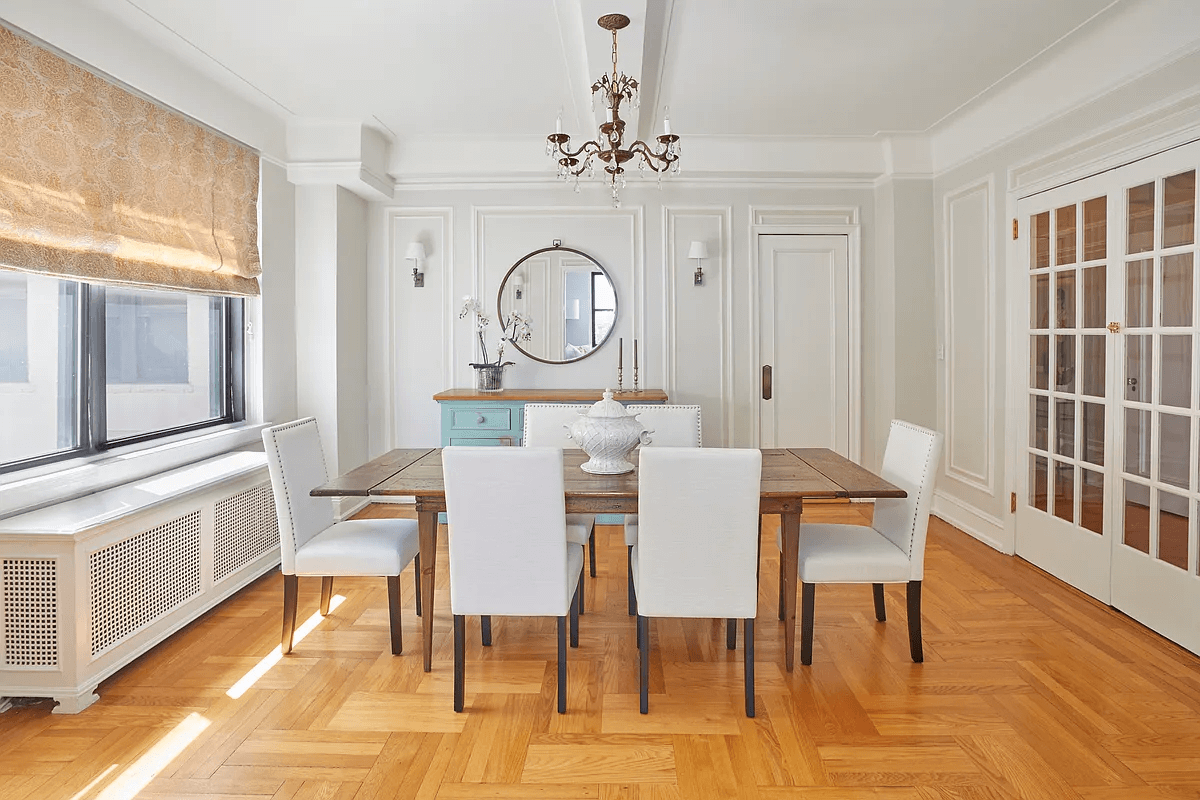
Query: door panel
(804, 337)
(1109, 494)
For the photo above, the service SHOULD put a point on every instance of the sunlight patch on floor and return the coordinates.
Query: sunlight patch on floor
(272, 658)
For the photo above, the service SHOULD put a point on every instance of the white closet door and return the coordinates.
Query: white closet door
(804, 341)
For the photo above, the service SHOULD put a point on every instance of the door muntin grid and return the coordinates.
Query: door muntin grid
(1068, 343)
(1159, 412)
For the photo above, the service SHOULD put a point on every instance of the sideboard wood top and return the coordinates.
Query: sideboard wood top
(552, 395)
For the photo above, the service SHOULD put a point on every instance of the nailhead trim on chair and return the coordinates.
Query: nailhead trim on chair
(283, 480)
(653, 409)
(928, 457)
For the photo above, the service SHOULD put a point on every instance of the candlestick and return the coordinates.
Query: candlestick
(635, 354)
(620, 352)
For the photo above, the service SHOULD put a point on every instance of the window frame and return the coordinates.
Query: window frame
(89, 407)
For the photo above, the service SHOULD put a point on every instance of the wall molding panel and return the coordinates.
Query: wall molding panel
(804, 215)
(681, 226)
(970, 311)
(433, 227)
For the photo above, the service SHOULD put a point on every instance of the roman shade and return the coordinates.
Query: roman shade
(100, 185)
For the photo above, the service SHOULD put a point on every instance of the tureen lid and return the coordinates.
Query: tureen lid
(607, 407)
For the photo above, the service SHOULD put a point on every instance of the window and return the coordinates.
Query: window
(98, 367)
(14, 328)
(604, 307)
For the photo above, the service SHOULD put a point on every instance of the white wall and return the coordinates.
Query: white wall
(695, 342)
(978, 384)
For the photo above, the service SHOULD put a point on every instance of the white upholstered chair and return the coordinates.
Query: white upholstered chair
(889, 550)
(671, 426)
(509, 553)
(313, 543)
(545, 425)
(697, 548)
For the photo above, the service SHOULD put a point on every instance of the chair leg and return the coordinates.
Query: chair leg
(417, 581)
(485, 630)
(749, 666)
(393, 582)
(460, 646)
(562, 665)
(629, 572)
(643, 626)
(914, 621)
(592, 551)
(782, 583)
(880, 612)
(731, 634)
(576, 605)
(807, 595)
(326, 593)
(290, 596)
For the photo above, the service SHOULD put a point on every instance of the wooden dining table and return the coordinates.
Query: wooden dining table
(789, 477)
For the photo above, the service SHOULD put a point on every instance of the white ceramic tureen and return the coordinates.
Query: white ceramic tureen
(607, 433)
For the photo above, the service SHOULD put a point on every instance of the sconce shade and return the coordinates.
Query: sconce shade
(698, 250)
(416, 250)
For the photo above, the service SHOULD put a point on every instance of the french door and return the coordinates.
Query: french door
(1108, 493)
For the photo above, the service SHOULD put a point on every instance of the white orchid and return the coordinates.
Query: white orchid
(516, 327)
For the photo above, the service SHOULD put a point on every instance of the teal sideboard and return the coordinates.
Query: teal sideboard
(497, 418)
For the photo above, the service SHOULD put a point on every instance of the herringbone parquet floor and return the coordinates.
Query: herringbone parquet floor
(1028, 690)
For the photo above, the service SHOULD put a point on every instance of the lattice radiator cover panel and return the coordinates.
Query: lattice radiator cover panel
(138, 580)
(30, 601)
(245, 528)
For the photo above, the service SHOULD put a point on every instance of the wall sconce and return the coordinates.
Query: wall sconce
(416, 254)
(698, 251)
(518, 286)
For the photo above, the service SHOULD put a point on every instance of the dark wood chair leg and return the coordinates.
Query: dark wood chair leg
(629, 572)
(914, 621)
(592, 551)
(782, 584)
(562, 665)
(485, 630)
(643, 626)
(326, 593)
(731, 634)
(460, 646)
(880, 611)
(393, 582)
(290, 596)
(749, 666)
(807, 595)
(576, 604)
(417, 581)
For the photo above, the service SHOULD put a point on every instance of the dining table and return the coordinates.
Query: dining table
(789, 477)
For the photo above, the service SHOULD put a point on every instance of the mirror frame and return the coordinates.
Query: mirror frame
(560, 249)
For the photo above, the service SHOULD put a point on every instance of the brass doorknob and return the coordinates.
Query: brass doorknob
(1114, 327)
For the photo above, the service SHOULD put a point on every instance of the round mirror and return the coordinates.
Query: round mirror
(569, 299)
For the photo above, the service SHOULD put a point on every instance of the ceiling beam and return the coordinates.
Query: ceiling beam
(654, 59)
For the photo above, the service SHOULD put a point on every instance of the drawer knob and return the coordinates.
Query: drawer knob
(480, 419)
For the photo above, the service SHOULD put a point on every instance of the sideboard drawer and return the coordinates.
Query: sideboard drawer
(481, 419)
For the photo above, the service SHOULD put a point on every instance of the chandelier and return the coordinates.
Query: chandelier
(613, 90)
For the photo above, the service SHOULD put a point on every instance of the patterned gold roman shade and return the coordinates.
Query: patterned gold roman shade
(100, 185)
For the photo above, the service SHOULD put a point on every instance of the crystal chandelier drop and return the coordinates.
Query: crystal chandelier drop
(613, 90)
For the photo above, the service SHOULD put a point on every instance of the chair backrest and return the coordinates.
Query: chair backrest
(545, 423)
(697, 550)
(671, 426)
(297, 466)
(507, 530)
(910, 461)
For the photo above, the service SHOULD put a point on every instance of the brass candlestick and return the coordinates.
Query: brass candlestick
(619, 389)
(635, 379)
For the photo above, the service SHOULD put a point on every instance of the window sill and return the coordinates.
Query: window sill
(66, 480)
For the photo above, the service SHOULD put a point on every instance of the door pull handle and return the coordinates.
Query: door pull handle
(766, 382)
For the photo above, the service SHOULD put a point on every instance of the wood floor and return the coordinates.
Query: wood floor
(1028, 690)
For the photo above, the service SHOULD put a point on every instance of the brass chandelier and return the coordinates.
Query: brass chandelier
(613, 90)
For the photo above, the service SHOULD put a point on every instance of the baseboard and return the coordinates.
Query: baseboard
(979, 524)
(346, 507)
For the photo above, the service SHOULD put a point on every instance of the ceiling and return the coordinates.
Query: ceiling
(792, 68)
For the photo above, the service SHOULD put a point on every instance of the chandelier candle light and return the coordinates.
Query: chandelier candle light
(613, 90)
